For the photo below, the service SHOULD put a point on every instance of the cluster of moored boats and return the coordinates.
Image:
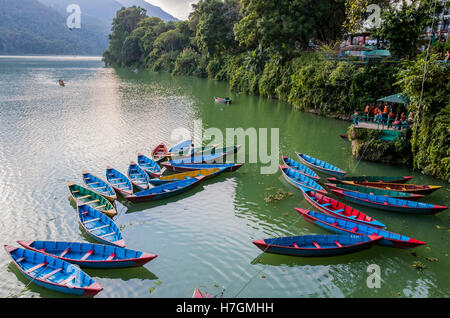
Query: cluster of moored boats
(51, 263)
(355, 229)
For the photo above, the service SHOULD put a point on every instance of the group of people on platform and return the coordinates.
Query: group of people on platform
(384, 114)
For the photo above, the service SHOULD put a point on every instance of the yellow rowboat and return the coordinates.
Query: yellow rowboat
(207, 173)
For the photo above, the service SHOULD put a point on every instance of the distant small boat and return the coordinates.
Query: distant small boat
(119, 181)
(53, 273)
(90, 255)
(207, 173)
(99, 226)
(160, 152)
(214, 156)
(148, 165)
(320, 165)
(297, 166)
(99, 186)
(344, 137)
(317, 245)
(410, 188)
(182, 167)
(385, 179)
(300, 180)
(389, 204)
(83, 195)
(61, 83)
(137, 176)
(164, 191)
(339, 225)
(338, 209)
(198, 294)
(375, 191)
(184, 146)
(226, 100)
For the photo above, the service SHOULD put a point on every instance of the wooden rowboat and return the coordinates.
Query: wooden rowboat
(207, 173)
(90, 255)
(297, 166)
(53, 273)
(317, 245)
(148, 165)
(193, 152)
(410, 188)
(339, 225)
(320, 165)
(83, 195)
(160, 152)
(226, 100)
(386, 179)
(213, 156)
(375, 191)
(137, 176)
(198, 294)
(389, 204)
(338, 209)
(119, 181)
(99, 186)
(300, 180)
(182, 167)
(99, 226)
(164, 191)
(184, 146)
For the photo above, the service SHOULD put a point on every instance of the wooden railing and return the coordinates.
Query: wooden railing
(381, 123)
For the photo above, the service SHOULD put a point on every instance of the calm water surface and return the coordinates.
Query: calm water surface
(48, 134)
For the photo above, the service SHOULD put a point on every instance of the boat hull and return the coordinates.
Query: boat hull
(99, 258)
(297, 166)
(384, 179)
(199, 166)
(302, 181)
(395, 205)
(142, 197)
(341, 226)
(336, 173)
(275, 245)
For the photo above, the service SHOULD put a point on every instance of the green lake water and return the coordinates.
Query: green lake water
(203, 238)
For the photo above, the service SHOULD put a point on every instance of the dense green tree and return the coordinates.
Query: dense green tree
(403, 25)
(286, 25)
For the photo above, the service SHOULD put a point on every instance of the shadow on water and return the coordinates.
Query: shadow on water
(369, 255)
(125, 274)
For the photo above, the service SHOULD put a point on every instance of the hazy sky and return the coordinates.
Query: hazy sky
(178, 8)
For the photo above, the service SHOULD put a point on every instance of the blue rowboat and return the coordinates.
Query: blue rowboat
(90, 255)
(99, 186)
(99, 226)
(149, 166)
(119, 181)
(83, 195)
(376, 191)
(207, 173)
(213, 156)
(339, 225)
(300, 180)
(164, 191)
(53, 273)
(297, 166)
(338, 209)
(182, 167)
(137, 176)
(320, 165)
(183, 146)
(389, 204)
(317, 245)
(226, 100)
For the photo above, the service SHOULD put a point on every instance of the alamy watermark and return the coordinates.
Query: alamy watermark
(74, 19)
(374, 278)
(262, 144)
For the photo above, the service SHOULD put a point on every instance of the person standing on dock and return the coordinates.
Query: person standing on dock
(355, 118)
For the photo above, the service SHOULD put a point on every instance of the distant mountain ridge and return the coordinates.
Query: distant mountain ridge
(39, 26)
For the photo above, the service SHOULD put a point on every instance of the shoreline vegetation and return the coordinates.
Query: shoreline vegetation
(286, 50)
